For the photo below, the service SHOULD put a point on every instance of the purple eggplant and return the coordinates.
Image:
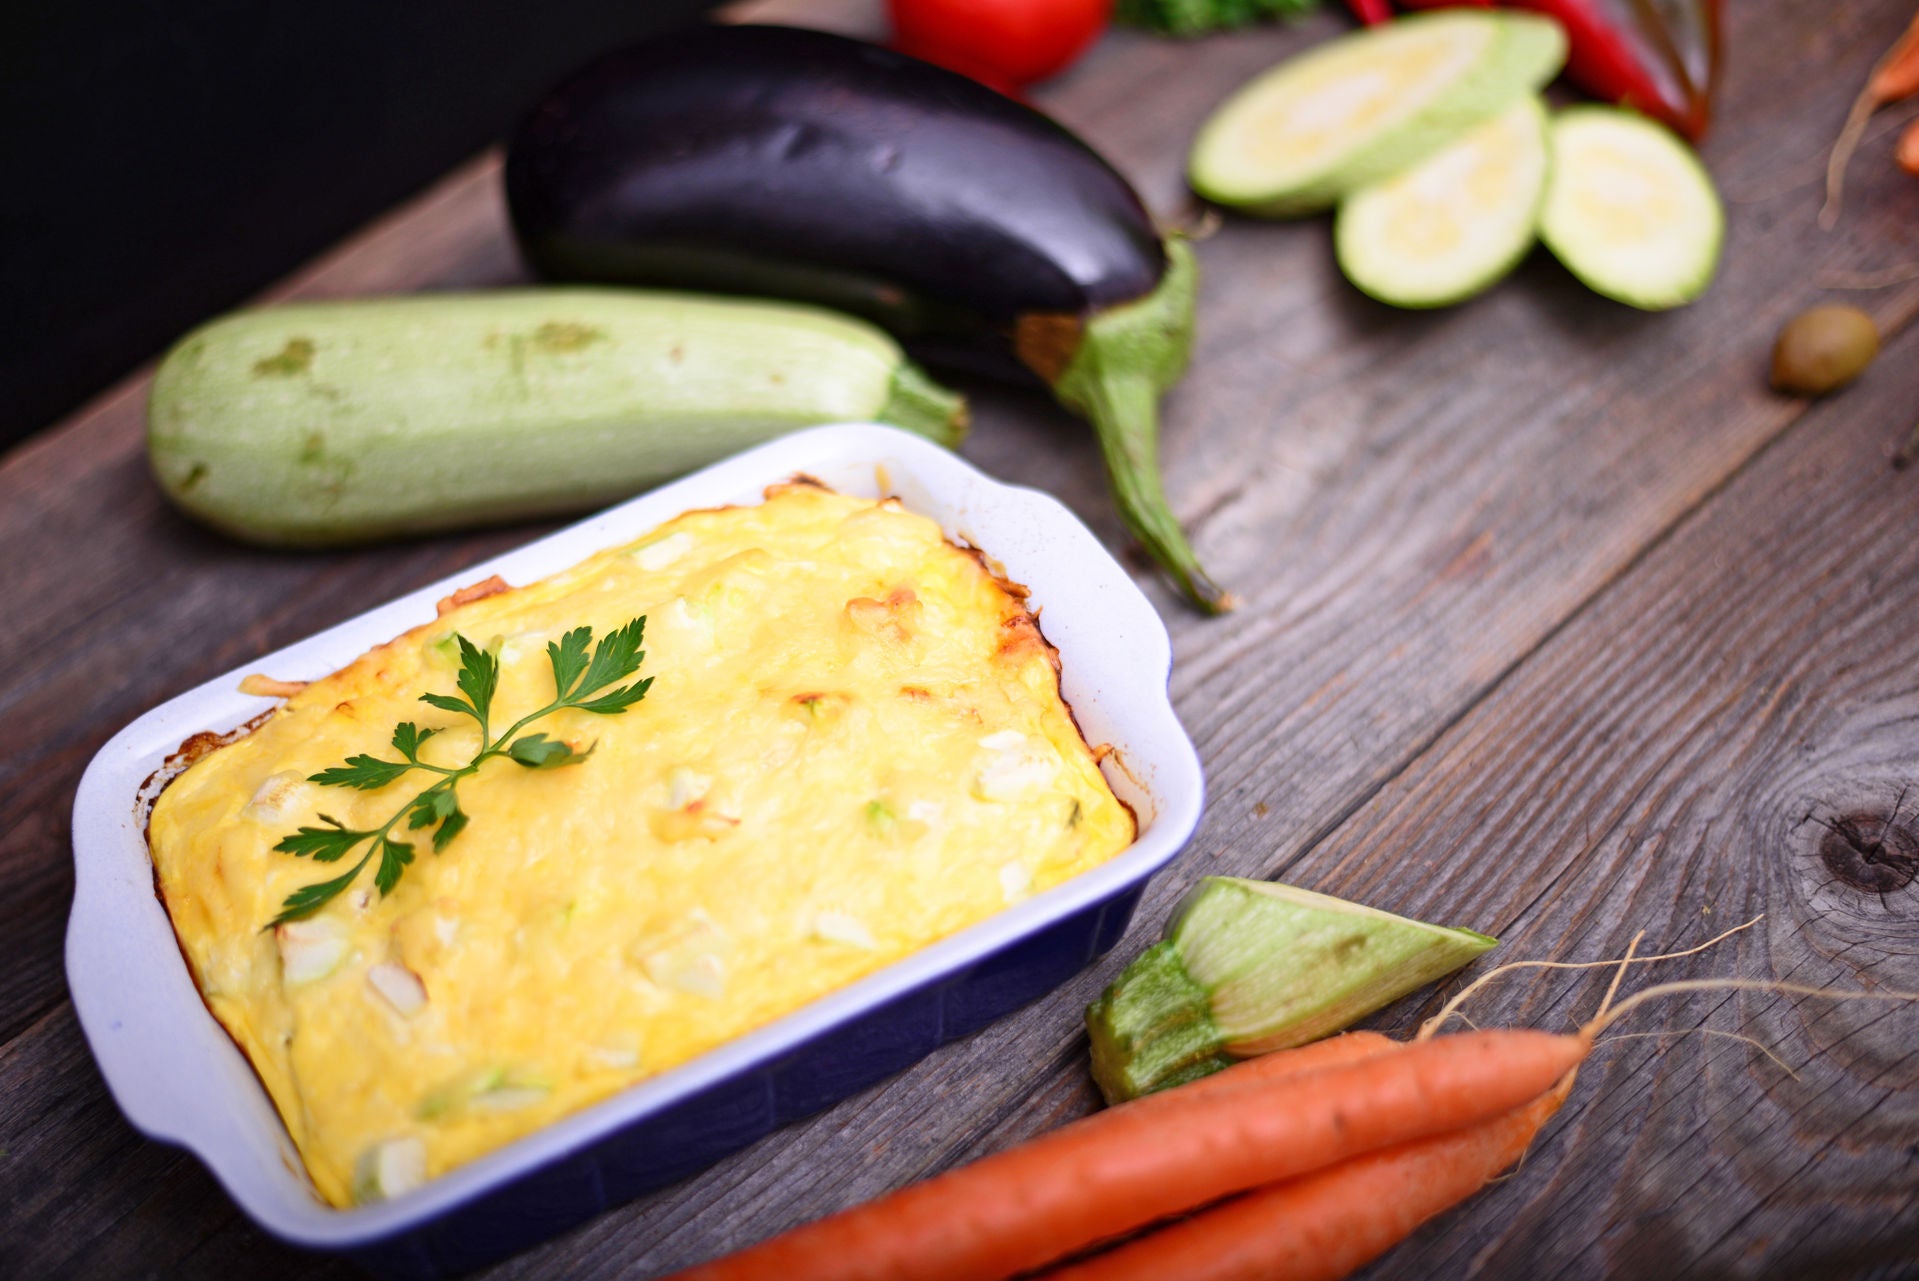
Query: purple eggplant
(797, 164)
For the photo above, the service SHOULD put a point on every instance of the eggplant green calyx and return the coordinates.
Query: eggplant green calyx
(1248, 967)
(1127, 356)
(918, 404)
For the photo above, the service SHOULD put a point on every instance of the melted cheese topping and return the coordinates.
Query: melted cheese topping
(854, 745)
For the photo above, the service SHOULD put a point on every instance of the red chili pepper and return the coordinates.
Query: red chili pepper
(1657, 56)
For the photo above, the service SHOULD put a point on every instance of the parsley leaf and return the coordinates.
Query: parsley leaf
(568, 656)
(327, 844)
(407, 738)
(615, 658)
(537, 751)
(431, 806)
(448, 703)
(580, 683)
(394, 856)
(368, 773)
(450, 827)
(479, 676)
(619, 700)
(309, 899)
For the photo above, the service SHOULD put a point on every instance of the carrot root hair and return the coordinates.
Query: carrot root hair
(1619, 975)
(1753, 1041)
(1884, 278)
(1600, 1022)
(1841, 155)
(1451, 1009)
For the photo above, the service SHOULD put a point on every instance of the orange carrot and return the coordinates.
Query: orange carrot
(1134, 1164)
(1347, 1047)
(1324, 1225)
(1894, 76)
(1908, 153)
(1897, 75)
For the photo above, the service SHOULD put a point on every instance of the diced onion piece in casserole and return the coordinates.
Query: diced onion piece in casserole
(310, 949)
(390, 1169)
(687, 813)
(509, 1097)
(1010, 768)
(684, 786)
(277, 799)
(1015, 879)
(695, 973)
(521, 646)
(400, 987)
(685, 957)
(616, 1057)
(843, 927)
(657, 555)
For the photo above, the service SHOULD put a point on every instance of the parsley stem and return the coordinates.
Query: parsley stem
(497, 748)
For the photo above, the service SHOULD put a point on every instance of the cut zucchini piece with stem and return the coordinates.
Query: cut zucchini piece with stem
(1361, 108)
(1630, 210)
(1248, 967)
(1451, 226)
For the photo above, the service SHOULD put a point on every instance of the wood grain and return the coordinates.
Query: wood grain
(1671, 762)
(1557, 624)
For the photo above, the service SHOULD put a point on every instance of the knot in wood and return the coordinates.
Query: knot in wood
(1871, 852)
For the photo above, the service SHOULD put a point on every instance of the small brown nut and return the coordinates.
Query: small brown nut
(1822, 349)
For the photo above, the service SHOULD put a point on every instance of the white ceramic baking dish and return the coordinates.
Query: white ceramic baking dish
(179, 1078)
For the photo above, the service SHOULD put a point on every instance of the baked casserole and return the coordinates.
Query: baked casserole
(853, 745)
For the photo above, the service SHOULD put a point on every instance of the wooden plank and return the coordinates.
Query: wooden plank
(103, 1202)
(1731, 730)
(1411, 504)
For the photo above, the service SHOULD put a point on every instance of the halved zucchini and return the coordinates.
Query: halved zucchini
(1630, 210)
(1362, 107)
(1455, 224)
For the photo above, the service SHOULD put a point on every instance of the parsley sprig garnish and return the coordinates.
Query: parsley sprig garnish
(579, 682)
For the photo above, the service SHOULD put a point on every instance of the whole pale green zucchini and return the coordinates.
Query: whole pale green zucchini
(341, 422)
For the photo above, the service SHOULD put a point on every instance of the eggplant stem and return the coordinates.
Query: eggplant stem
(1130, 355)
(1124, 413)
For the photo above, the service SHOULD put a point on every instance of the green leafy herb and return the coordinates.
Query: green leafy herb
(585, 678)
(1196, 17)
(537, 751)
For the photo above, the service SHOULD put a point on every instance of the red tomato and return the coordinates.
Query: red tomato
(1002, 42)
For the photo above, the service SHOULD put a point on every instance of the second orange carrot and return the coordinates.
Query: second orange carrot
(1166, 1154)
(1324, 1225)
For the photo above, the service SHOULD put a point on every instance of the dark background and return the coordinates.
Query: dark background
(162, 160)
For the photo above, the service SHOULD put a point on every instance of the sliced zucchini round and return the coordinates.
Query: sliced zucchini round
(1362, 107)
(1630, 210)
(1454, 225)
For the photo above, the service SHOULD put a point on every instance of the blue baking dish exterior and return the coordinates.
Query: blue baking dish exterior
(179, 1078)
(691, 1135)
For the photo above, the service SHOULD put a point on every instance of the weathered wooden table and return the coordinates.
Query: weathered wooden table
(1557, 623)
